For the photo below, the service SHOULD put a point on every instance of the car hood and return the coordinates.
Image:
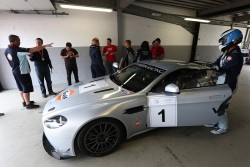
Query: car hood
(95, 91)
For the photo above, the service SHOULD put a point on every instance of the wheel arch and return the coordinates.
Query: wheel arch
(76, 148)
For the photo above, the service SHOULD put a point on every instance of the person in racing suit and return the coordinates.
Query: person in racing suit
(230, 62)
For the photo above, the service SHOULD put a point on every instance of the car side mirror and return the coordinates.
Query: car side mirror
(172, 88)
(115, 64)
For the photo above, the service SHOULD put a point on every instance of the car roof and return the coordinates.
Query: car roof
(169, 64)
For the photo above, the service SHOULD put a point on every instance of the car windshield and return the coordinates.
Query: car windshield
(136, 76)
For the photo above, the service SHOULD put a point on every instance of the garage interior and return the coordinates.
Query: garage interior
(137, 20)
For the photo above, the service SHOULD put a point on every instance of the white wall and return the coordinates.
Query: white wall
(79, 28)
(207, 47)
(139, 29)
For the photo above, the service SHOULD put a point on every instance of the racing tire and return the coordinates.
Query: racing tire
(100, 137)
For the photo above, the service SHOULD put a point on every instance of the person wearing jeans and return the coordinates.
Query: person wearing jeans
(42, 66)
(69, 55)
(230, 62)
(97, 67)
(110, 51)
(17, 58)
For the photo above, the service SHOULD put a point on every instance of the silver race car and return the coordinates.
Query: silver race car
(95, 117)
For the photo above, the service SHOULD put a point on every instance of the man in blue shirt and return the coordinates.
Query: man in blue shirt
(17, 59)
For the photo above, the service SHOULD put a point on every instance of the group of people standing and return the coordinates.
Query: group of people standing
(230, 62)
(145, 52)
(17, 58)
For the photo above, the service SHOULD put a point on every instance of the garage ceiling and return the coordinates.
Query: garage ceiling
(26, 5)
(237, 10)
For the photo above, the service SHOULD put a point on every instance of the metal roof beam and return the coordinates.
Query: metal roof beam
(180, 2)
(241, 18)
(168, 4)
(164, 17)
(226, 9)
(125, 3)
(215, 2)
(190, 2)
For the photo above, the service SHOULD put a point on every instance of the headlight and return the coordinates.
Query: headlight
(55, 122)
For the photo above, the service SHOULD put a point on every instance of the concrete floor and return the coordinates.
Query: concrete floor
(21, 144)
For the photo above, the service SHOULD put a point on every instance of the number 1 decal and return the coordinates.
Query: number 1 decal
(163, 115)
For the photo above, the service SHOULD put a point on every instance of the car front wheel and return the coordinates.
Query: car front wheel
(100, 137)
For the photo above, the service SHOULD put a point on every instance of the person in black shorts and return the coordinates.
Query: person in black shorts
(69, 55)
(17, 58)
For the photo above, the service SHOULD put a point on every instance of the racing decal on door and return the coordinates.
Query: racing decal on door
(137, 123)
(162, 111)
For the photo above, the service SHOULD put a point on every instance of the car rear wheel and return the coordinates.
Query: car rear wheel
(100, 137)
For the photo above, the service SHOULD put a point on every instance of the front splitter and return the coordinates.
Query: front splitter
(52, 151)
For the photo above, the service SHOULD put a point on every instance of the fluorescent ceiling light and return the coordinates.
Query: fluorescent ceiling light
(85, 8)
(197, 20)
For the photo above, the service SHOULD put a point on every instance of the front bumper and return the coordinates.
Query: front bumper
(52, 151)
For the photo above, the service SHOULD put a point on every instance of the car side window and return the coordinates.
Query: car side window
(205, 78)
(184, 79)
(209, 77)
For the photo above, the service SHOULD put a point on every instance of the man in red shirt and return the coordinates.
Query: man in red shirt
(157, 50)
(110, 52)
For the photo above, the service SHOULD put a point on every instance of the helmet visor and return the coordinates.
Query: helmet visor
(223, 40)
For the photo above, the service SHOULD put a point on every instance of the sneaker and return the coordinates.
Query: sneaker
(52, 93)
(215, 125)
(1, 114)
(32, 106)
(218, 131)
(31, 102)
(45, 96)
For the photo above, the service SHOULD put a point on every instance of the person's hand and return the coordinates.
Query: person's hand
(49, 45)
(213, 66)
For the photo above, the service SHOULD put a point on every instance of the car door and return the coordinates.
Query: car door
(201, 94)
